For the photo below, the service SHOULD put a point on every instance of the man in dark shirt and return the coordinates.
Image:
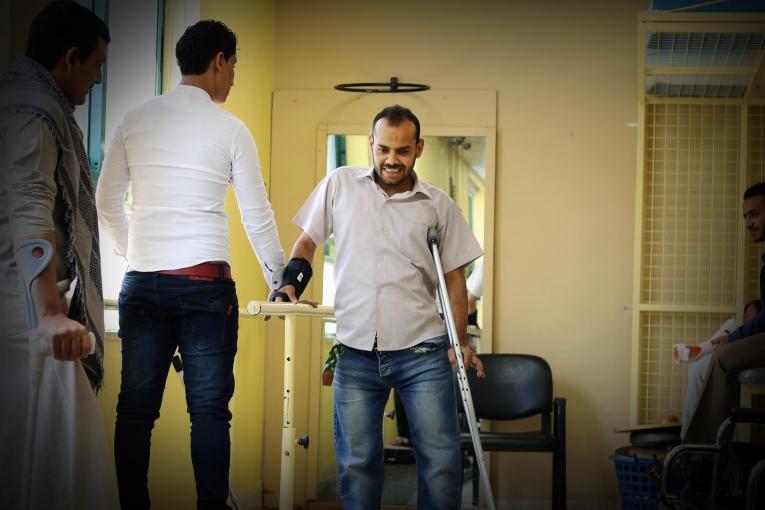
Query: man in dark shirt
(743, 348)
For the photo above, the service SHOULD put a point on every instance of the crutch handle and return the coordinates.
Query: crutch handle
(32, 257)
(433, 237)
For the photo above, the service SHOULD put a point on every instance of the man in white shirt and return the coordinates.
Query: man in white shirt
(179, 152)
(475, 291)
(388, 325)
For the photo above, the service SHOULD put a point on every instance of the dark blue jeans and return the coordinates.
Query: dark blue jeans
(157, 314)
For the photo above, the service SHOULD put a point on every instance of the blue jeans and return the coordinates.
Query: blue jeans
(423, 377)
(157, 314)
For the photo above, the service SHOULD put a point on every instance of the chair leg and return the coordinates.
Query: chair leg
(559, 481)
(462, 472)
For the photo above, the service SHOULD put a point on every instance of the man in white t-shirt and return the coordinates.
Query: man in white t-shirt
(388, 325)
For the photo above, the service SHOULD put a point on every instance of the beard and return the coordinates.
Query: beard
(393, 179)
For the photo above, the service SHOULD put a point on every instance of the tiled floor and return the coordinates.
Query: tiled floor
(400, 489)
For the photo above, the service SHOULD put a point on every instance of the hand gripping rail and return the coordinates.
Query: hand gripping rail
(290, 311)
(467, 398)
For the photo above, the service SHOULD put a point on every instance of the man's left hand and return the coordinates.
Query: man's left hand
(289, 290)
(470, 359)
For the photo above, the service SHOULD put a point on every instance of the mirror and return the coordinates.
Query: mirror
(457, 165)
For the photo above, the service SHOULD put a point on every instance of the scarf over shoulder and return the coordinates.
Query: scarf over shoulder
(29, 88)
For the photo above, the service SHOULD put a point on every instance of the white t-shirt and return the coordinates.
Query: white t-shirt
(475, 281)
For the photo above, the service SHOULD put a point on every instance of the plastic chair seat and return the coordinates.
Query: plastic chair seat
(752, 376)
(530, 441)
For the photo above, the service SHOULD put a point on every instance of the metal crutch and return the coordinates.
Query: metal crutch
(32, 258)
(467, 398)
(178, 366)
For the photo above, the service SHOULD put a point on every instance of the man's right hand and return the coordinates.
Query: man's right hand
(720, 341)
(68, 340)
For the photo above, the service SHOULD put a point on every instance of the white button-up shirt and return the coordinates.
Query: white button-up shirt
(385, 276)
(179, 151)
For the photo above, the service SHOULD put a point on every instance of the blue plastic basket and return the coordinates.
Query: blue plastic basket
(636, 490)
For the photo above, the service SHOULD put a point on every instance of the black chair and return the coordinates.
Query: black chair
(519, 386)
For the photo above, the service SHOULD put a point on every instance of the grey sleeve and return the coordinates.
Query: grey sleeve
(31, 156)
(315, 215)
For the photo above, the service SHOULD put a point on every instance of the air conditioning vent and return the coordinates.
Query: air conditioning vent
(701, 55)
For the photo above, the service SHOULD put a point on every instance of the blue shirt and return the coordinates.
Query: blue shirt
(757, 323)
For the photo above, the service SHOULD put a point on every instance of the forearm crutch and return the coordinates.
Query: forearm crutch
(32, 258)
(467, 398)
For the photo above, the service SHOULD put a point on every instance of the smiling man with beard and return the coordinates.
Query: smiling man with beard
(743, 348)
(389, 330)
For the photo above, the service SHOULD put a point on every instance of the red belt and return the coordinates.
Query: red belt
(205, 270)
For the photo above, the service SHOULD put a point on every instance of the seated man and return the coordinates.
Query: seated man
(699, 367)
(743, 348)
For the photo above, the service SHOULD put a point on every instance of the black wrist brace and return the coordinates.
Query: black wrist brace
(297, 273)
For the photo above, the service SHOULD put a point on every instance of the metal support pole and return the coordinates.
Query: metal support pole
(289, 310)
(288, 415)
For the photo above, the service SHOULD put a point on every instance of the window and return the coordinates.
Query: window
(131, 77)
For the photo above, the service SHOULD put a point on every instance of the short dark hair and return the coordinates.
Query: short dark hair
(397, 114)
(62, 25)
(200, 43)
(755, 303)
(755, 190)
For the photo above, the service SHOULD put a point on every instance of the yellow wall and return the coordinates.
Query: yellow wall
(250, 100)
(20, 15)
(565, 74)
